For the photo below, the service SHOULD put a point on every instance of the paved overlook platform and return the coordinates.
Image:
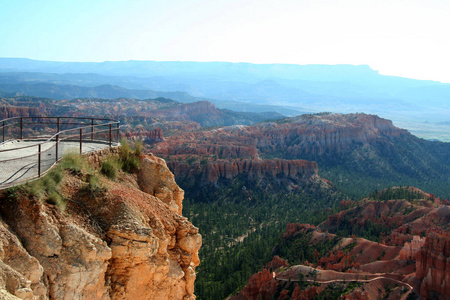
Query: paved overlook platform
(24, 157)
(23, 163)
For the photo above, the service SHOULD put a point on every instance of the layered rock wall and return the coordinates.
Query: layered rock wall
(212, 171)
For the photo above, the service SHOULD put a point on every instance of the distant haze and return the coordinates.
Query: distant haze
(405, 38)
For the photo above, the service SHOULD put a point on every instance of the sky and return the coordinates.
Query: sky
(407, 38)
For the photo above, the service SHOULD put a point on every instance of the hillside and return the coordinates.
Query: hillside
(77, 234)
(409, 255)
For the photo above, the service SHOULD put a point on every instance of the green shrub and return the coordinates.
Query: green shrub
(125, 150)
(110, 167)
(46, 188)
(93, 182)
(138, 147)
(73, 162)
(93, 187)
(12, 192)
(56, 199)
(129, 157)
(130, 164)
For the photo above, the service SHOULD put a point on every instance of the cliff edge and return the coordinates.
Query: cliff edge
(116, 239)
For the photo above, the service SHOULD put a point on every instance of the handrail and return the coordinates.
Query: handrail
(80, 118)
(94, 131)
(54, 136)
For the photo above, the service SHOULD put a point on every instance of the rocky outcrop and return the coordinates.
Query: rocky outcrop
(118, 242)
(157, 180)
(433, 266)
(155, 135)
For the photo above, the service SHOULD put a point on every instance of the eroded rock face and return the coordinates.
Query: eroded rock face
(258, 168)
(17, 111)
(433, 266)
(305, 136)
(124, 243)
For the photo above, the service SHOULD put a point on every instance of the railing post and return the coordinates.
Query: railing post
(110, 135)
(81, 141)
(21, 126)
(3, 125)
(57, 145)
(118, 133)
(92, 129)
(57, 124)
(39, 160)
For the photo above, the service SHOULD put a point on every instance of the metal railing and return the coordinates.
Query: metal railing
(32, 145)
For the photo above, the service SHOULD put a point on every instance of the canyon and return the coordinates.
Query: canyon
(243, 182)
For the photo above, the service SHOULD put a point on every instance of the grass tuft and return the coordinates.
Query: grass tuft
(110, 167)
(47, 188)
(129, 157)
(73, 162)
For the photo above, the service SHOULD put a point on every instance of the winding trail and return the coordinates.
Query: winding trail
(347, 280)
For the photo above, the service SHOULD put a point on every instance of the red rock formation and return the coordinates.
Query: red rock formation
(18, 111)
(306, 134)
(410, 261)
(156, 135)
(276, 263)
(261, 285)
(410, 249)
(294, 228)
(152, 136)
(307, 294)
(433, 266)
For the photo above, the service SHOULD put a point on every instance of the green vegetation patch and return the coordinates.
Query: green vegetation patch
(129, 156)
(47, 188)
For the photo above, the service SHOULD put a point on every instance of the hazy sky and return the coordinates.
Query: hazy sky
(406, 38)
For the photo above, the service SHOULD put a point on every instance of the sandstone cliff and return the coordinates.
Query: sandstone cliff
(121, 240)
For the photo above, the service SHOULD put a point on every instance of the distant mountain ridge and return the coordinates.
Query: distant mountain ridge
(106, 91)
(238, 86)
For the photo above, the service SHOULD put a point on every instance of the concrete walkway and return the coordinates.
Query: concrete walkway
(19, 164)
